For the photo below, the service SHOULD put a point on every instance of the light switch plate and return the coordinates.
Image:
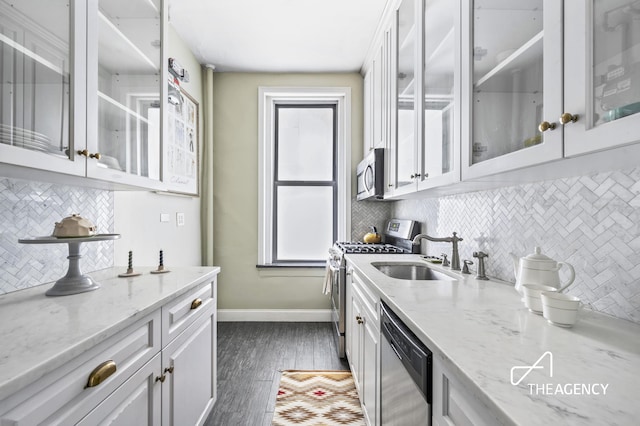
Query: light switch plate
(164, 217)
(180, 219)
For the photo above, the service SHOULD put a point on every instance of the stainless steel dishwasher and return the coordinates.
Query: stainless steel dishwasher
(405, 387)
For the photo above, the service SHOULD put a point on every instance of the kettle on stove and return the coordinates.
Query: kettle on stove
(372, 237)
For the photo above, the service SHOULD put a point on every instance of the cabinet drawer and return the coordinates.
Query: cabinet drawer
(179, 314)
(63, 397)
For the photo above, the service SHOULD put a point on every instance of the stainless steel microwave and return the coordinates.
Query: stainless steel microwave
(370, 175)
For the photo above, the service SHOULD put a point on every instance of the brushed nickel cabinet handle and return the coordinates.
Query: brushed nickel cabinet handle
(101, 373)
(196, 303)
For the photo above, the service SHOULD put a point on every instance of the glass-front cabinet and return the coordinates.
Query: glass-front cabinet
(514, 86)
(602, 74)
(439, 154)
(124, 90)
(405, 96)
(39, 90)
(427, 93)
(80, 85)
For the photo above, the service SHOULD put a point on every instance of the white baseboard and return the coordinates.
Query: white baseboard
(274, 315)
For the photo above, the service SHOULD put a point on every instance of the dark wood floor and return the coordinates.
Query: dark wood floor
(250, 358)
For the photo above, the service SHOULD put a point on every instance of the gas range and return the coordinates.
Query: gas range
(359, 247)
(398, 236)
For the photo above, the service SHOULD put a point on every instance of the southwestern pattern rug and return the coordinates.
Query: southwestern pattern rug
(317, 398)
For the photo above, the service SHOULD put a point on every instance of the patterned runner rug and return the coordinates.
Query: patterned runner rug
(317, 398)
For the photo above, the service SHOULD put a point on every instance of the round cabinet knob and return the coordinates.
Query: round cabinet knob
(412, 176)
(83, 152)
(545, 125)
(359, 319)
(97, 155)
(567, 117)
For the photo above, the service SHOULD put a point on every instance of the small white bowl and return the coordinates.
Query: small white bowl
(559, 309)
(532, 296)
(559, 300)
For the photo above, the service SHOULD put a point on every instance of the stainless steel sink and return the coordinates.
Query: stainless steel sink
(411, 271)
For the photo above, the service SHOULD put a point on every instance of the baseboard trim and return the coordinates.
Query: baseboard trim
(274, 315)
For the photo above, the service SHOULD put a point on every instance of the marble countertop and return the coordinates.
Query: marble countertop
(39, 333)
(481, 330)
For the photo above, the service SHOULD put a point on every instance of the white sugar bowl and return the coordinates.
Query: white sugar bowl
(559, 309)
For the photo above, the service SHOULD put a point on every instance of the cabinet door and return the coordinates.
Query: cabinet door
(453, 404)
(370, 375)
(439, 151)
(378, 95)
(136, 402)
(124, 85)
(368, 112)
(40, 85)
(405, 97)
(514, 85)
(356, 341)
(602, 74)
(189, 366)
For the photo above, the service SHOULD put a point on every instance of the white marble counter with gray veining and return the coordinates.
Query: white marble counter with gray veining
(39, 334)
(481, 329)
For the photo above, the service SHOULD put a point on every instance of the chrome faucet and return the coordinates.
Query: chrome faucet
(455, 257)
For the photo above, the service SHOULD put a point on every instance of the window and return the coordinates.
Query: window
(304, 174)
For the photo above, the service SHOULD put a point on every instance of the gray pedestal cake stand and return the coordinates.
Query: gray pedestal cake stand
(75, 281)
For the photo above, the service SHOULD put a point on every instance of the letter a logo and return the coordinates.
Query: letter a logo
(528, 368)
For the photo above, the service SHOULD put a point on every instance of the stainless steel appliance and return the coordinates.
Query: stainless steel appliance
(406, 378)
(370, 175)
(397, 238)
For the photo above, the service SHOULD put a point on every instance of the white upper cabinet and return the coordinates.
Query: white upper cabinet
(124, 86)
(81, 84)
(40, 86)
(439, 121)
(513, 84)
(406, 132)
(602, 74)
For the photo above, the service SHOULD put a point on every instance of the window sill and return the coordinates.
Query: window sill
(311, 269)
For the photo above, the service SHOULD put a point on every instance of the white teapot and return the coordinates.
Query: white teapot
(539, 269)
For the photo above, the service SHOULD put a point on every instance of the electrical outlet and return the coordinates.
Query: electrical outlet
(164, 217)
(180, 219)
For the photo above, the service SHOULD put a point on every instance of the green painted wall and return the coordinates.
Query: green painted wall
(235, 112)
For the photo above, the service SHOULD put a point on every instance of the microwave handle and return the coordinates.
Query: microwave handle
(368, 178)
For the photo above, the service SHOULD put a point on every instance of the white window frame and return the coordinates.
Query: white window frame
(268, 97)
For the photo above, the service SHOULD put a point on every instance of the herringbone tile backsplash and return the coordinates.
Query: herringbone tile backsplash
(30, 209)
(592, 222)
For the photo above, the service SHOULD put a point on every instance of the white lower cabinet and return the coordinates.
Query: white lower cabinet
(188, 365)
(363, 336)
(136, 402)
(453, 403)
(134, 377)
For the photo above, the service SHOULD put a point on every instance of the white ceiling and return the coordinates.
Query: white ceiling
(278, 35)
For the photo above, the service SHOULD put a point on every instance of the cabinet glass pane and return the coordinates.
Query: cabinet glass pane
(507, 76)
(405, 82)
(439, 70)
(616, 60)
(129, 86)
(34, 75)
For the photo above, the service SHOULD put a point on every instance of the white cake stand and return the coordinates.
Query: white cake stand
(75, 281)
